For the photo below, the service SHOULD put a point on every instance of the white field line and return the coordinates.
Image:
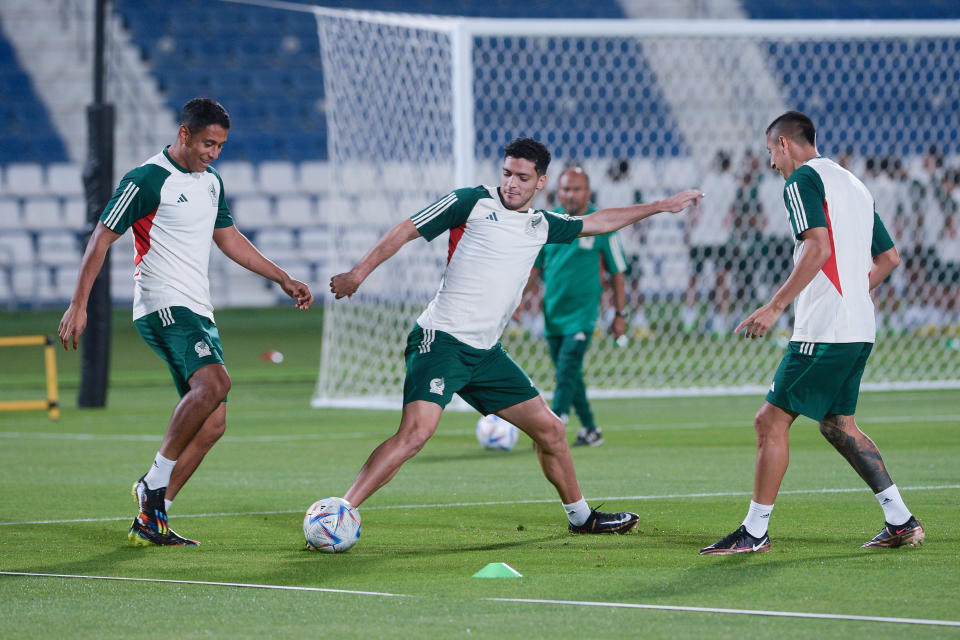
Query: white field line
(492, 503)
(619, 605)
(748, 612)
(294, 437)
(279, 587)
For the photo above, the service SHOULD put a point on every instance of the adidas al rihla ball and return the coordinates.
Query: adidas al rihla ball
(331, 525)
(493, 432)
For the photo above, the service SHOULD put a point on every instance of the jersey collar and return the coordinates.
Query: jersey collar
(174, 162)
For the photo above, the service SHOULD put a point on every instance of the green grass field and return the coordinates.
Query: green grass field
(685, 465)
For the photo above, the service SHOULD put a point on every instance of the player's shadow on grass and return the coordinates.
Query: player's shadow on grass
(118, 555)
(707, 574)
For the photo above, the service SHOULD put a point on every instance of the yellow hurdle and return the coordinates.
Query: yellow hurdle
(50, 362)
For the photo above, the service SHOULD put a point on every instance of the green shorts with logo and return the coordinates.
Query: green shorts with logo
(820, 379)
(439, 365)
(186, 341)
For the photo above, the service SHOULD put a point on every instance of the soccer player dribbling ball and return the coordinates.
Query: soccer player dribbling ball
(175, 204)
(843, 251)
(454, 347)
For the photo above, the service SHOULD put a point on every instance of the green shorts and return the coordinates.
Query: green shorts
(186, 341)
(820, 379)
(439, 365)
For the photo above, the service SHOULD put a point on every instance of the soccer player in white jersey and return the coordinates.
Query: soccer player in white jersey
(454, 347)
(842, 252)
(176, 206)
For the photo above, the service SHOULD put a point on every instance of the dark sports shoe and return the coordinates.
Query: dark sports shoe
(908, 534)
(588, 437)
(600, 522)
(142, 535)
(738, 542)
(150, 526)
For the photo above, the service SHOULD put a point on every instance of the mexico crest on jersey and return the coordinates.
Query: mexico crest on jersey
(213, 194)
(533, 224)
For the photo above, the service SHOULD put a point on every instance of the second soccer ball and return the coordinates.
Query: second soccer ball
(494, 432)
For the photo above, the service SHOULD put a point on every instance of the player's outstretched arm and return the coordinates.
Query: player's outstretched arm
(238, 248)
(74, 319)
(346, 284)
(607, 220)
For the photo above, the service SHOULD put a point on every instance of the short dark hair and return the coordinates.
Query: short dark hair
(200, 113)
(796, 126)
(529, 149)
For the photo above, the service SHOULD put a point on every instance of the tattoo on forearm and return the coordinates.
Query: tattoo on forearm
(859, 450)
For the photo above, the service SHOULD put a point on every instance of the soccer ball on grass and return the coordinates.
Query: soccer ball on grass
(331, 525)
(494, 432)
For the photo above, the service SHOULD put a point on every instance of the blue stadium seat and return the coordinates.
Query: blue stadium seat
(26, 134)
(242, 60)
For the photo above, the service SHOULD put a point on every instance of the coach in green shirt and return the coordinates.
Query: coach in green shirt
(571, 301)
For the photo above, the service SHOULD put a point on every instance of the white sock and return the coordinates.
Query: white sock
(166, 504)
(758, 517)
(578, 512)
(159, 474)
(894, 510)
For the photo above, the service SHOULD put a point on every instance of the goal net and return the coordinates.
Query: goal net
(417, 106)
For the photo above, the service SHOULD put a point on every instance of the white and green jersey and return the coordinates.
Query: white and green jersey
(173, 213)
(488, 262)
(836, 305)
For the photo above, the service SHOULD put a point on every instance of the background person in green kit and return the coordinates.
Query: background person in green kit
(573, 287)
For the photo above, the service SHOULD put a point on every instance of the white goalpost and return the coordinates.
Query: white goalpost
(418, 105)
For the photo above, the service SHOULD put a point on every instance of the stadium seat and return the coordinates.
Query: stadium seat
(252, 211)
(24, 179)
(65, 282)
(238, 178)
(232, 285)
(64, 179)
(10, 214)
(335, 210)
(316, 242)
(278, 177)
(357, 178)
(276, 241)
(295, 211)
(16, 247)
(58, 247)
(315, 177)
(75, 213)
(42, 214)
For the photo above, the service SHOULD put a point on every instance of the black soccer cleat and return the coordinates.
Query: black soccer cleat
(588, 437)
(738, 542)
(150, 526)
(908, 534)
(141, 535)
(600, 522)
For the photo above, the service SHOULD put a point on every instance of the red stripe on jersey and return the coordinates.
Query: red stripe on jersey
(455, 234)
(141, 235)
(829, 268)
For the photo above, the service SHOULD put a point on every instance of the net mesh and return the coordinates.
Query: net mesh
(646, 116)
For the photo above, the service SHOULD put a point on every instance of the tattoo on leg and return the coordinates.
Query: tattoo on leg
(859, 450)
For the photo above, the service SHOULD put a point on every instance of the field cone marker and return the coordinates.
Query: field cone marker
(498, 570)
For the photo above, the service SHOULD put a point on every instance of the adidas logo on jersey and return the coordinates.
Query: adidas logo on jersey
(182, 198)
(493, 216)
